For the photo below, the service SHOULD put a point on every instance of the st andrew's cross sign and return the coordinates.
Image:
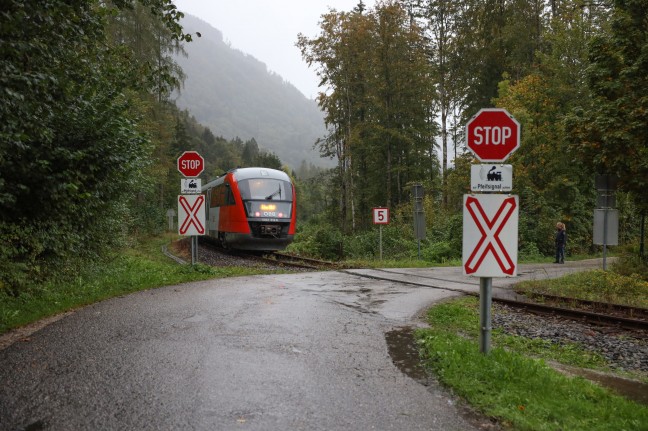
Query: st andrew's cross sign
(490, 235)
(191, 215)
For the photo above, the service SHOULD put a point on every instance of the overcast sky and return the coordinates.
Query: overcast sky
(267, 30)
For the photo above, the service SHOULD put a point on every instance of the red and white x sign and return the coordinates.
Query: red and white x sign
(490, 235)
(191, 215)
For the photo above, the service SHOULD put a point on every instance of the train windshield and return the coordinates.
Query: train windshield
(265, 189)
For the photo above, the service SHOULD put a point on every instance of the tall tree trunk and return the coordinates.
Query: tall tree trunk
(642, 235)
(444, 143)
(343, 191)
(349, 177)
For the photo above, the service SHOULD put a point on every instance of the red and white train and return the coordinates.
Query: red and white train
(251, 209)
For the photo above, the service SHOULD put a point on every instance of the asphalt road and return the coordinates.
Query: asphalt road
(290, 352)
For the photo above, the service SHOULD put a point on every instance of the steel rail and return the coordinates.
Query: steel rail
(583, 315)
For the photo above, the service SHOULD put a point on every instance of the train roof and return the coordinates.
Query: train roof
(249, 173)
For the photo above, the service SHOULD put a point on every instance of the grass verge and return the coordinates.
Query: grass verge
(140, 268)
(597, 285)
(523, 393)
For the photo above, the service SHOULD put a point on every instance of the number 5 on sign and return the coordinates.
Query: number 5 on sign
(381, 215)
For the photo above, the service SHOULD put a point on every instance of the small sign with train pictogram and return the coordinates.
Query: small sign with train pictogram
(491, 178)
(190, 186)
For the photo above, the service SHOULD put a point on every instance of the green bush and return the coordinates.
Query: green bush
(597, 285)
(439, 252)
(364, 245)
(399, 241)
(529, 251)
(327, 243)
(18, 251)
(631, 264)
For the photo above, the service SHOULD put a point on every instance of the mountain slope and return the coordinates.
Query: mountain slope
(234, 95)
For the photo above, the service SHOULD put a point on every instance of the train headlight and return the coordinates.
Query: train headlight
(280, 215)
(257, 214)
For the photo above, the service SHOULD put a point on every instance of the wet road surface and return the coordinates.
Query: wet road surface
(311, 351)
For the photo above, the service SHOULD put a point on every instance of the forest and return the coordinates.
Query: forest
(401, 80)
(234, 94)
(89, 134)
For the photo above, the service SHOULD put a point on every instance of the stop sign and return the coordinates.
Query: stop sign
(492, 135)
(191, 164)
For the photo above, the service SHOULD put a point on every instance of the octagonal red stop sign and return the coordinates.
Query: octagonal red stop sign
(191, 164)
(492, 135)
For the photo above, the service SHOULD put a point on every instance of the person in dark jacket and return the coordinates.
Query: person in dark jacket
(561, 240)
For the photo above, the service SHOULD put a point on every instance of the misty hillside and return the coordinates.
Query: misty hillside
(233, 94)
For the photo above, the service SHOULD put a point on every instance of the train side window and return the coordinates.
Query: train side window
(229, 196)
(289, 191)
(218, 196)
(213, 201)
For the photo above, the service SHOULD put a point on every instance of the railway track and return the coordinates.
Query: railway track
(213, 254)
(304, 262)
(594, 306)
(285, 260)
(619, 318)
(614, 315)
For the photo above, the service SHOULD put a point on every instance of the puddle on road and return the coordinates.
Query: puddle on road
(36, 426)
(633, 390)
(403, 350)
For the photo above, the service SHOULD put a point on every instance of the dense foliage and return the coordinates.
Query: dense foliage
(73, 146)
(576, 83)
(235, 94)
(381, 130)
(89, 135)
(611, 131)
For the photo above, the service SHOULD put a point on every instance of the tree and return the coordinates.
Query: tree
(554, 184)
(611, 133)
(440, 20)
(377, 105)
(268, 160)
(340, 51)
(250, 153)
(148, 33)
(72, 153)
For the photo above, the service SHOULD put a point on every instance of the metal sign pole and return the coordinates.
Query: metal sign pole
(194, 249)
(499, 128)
(605, 235)
(380, 217)
(485, 300)
(419, 215)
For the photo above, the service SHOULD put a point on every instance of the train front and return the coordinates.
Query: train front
(268, 198)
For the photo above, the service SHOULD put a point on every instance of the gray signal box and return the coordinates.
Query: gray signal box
(606, 219)
(606, 227)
